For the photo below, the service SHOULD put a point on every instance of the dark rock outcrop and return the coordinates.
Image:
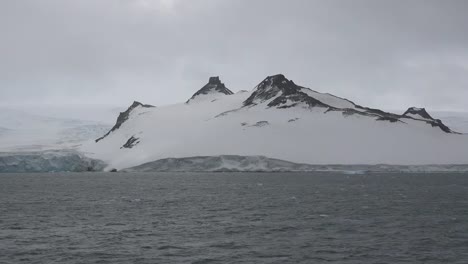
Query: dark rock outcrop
(261, 124)
(123, 116)
(214, 85)
(131, 142)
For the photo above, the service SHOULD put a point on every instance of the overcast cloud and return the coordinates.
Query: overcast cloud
(387, 54)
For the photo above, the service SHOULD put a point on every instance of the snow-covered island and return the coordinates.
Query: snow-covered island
(277, 120)
(277, 126)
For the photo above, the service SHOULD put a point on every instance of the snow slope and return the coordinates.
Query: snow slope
(280, 120)
(21, 130)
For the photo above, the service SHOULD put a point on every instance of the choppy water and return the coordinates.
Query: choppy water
(233, 218)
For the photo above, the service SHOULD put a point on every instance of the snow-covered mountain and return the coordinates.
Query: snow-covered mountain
(277, 119)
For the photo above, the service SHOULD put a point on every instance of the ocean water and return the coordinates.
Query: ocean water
(233, 218)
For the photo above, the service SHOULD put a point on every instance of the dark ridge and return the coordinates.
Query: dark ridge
(383, 114)
(376, 114)
(438, 123)
(286, 89)
(214, 85)
(297, 98)
(123, 116)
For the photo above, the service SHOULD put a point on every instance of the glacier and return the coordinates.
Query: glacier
(48, 161)
(24, 130)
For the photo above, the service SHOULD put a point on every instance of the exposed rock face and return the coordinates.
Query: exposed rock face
(286, 94)
(213, 86)
(123, 116)
(423, 115)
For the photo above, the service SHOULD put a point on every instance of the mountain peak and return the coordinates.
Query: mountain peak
(214, 86)
(215, 80)
(269, 88)
(423, 115)
(278, 79)
(418, 113)
(282, 93)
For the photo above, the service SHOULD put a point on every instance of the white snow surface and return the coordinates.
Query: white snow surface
(296, 134)
(23, 130)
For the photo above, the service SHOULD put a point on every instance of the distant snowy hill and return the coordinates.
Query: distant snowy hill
(281, 120)
(232, 163)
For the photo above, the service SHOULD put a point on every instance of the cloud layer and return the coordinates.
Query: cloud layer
(388, 54)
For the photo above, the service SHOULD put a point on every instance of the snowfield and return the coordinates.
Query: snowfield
(278, 120)
(25, 131)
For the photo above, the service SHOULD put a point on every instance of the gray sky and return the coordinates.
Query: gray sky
(388, 54)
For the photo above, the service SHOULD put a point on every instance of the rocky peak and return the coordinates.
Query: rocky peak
(271, 87)
(215, 80)
(415, 112)
(123, 116)
(423, 115)
(282, 92)
(277, 79)
(214, 86)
